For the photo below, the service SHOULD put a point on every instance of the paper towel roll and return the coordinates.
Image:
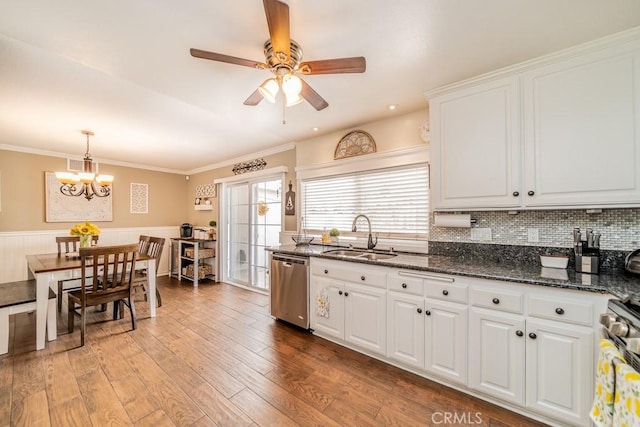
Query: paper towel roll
(453, 220)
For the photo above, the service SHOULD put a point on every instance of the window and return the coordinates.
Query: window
(395, 200)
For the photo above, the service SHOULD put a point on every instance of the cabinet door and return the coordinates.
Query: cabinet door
(475, 147)
(365, 317)
(582, 131)
(327, 306)
(446, 340)
(560, 370)
(496, 354)
(405, 330)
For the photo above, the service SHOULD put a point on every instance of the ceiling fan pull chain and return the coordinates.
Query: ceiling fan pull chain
(284, 109)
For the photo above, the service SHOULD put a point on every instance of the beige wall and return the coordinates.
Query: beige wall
(389, 134)
(202, 218)
(23, 201)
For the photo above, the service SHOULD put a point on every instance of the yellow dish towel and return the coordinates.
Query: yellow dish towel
(626, 409)
(602, 411)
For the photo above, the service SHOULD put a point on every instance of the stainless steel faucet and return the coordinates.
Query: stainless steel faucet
(370, 243)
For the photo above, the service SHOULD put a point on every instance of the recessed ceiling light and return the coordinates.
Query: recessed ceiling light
(392, 106)
(315, 129)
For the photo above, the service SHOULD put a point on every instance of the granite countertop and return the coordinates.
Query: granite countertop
(621, 285)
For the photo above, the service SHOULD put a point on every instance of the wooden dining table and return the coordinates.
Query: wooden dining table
(47, 269)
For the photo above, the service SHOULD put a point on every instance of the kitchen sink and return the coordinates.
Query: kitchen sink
(345, 252)
(354, 253)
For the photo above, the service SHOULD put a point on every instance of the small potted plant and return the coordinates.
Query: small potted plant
(334, 233)
(212, 230)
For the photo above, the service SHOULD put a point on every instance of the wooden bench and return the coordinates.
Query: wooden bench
(20, 297)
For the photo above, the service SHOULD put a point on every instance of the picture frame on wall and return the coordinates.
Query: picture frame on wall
(61, 208)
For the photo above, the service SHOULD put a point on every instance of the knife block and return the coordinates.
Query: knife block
(588, 264)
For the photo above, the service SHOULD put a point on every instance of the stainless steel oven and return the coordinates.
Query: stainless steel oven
(621, 324)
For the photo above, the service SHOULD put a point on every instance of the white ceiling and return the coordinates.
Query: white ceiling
(122, 68)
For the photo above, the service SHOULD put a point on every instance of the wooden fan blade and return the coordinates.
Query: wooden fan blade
(278, 21)
(254, 98)
(313, 97)
(226, 58)
(356, 64)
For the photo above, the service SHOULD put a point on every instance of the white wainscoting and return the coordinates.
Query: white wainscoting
(16, 245)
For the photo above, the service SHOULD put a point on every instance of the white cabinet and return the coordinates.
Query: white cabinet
(352, 312)
(560, 367)
(497, 354)
(582, 131)
(405, 332)
(579, 131)
(475, 147)
(446, 340)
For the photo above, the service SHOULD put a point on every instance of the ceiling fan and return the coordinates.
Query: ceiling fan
(283, 59)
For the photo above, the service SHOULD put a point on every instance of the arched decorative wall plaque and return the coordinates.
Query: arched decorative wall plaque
(355, 143)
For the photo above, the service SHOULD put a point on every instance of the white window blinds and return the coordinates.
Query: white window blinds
(395, 200)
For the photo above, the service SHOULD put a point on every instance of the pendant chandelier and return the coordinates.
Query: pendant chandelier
(85, 183)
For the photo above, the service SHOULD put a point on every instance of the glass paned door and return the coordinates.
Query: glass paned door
(254, 223)
(266, 215)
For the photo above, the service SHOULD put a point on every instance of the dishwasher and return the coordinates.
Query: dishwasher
(290, 289)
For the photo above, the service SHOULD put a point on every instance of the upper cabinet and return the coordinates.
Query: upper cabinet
(561, 133)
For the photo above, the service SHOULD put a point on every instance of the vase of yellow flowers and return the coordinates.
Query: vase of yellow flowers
(86, 232)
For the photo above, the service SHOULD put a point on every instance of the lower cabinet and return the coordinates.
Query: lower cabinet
(351, 312)
(543, 365)
(530, 347)
(446, 340)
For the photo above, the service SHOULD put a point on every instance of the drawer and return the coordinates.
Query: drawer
(446, 292)
(497, 299)
(351, 272)
(405, 285)
(560, 309)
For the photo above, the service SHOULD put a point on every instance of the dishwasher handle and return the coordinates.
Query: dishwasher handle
(288, 260)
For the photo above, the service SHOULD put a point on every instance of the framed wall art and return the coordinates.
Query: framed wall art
(61, 208)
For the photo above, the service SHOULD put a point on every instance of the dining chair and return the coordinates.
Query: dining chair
(107, 273)
(68, 244)
(152, 247)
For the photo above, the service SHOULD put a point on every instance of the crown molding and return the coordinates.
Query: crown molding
(230, 162)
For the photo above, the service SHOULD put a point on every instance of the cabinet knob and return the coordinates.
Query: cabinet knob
(339, 292)
(419, 311)
(404, 286)
(496, 301)
(362, 278)
(445, 292)
(516, 193)
(346, 294)
(533, 336)
(519, 333)
(531, 193)
(326, 272)
(559, 311)
(427, 312)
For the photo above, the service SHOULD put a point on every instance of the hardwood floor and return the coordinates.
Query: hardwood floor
(214, 357)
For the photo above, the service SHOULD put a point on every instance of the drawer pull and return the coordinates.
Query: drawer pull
(519, 333)
(559, 311)
(419, 311)
(426, 276)
(533, 336)
(496, 301)
(445, 292)
(362, 278)
(326, 272)
(404, 286)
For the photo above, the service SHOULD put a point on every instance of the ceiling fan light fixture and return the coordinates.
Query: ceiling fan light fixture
(269, 89)
(293, 100)
(291, 86)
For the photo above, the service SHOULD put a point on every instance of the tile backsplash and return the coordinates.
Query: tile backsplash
(620, 228)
